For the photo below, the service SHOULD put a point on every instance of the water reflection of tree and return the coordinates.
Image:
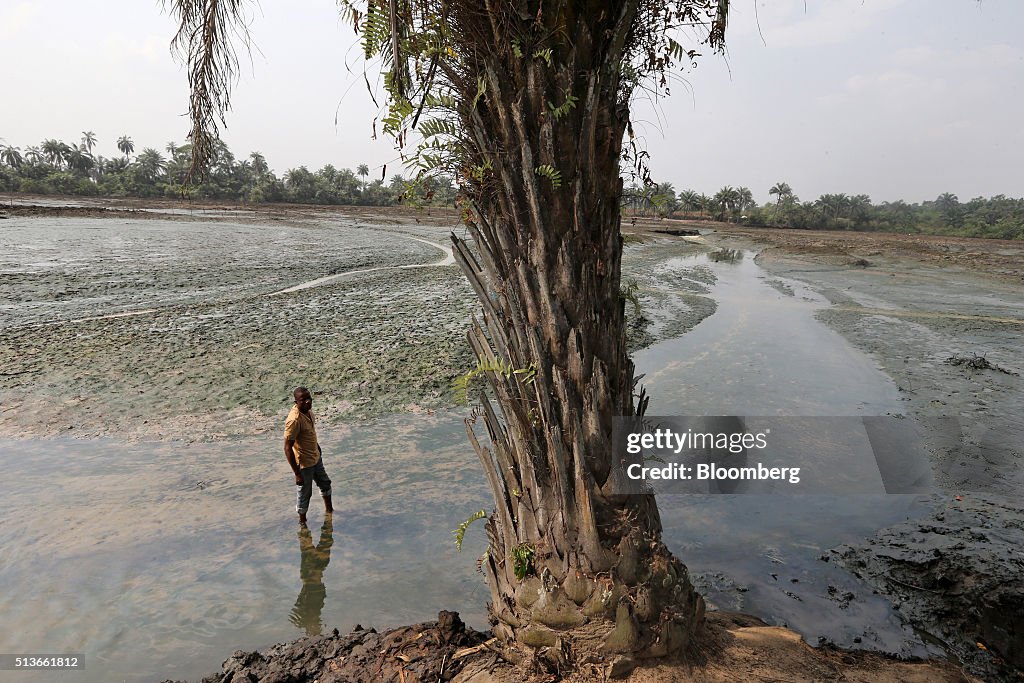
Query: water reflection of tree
(726, 256)
(315, 558)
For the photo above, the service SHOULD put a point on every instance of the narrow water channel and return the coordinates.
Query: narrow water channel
(763, 353)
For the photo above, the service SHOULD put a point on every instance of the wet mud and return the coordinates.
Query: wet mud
(198, 331)
(957, 576)
(429, 651)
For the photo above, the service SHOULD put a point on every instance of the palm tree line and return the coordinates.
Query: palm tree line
(57, 167)
(994, 217)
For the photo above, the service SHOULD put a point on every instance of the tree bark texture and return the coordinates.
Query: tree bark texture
(546, 269)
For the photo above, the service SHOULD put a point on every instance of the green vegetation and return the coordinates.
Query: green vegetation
(997, 217)
(463, 383)
(55, 167)
(522, 560)
(460, 531)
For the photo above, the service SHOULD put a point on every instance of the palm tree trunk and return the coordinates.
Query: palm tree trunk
(593, 572)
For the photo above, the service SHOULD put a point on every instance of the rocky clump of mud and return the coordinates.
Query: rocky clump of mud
(957, 576)
(975, 362)
(421, 652)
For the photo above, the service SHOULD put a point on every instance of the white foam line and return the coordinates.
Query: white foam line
(448, 260)
(126, 314)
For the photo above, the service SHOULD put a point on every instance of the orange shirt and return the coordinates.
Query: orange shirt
(302, 430)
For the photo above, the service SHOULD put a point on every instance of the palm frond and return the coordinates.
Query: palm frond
(208, 32)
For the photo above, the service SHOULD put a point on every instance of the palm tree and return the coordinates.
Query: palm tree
(300, 183)
(744, 199)
(11, 156)
(949, 207)
(860, 208)
(704, 204)
(397, 183)
(726, 200)
(689, 199)
(259, 164)
(54, 151)
(79, 159)
(89, 140)
(34, 154)
(782, 191)
(171, 148)
(151, 163)
(664, 199)
(117, 165)
(363, 170)
(570, 564)
(125, 144)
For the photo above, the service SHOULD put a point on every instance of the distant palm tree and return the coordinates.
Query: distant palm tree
(860, 207)
(744, 199)
(664, 199)
(726, 201)
(125, 144)
(151, 163)
(832, 205)
(947, 200)
(172, 148)
(783, 192)
(689, 200)
(363, 170)
(259, 164)
(89, 140)
(79, 159)
(51, 151)
(116, 165)
(34, 154)
(949, 207)
(54, 151)
(11, 156)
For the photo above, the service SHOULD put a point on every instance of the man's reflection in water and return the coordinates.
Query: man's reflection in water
(306, 612)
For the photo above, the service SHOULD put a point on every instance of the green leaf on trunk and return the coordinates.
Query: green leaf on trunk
(460, 531)
(551, 173)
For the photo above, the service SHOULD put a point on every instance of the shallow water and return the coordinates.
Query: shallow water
(764, 353)
(159, 560)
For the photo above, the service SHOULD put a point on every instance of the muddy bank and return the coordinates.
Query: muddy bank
(429, 651)
(957, 577)
(732, 647)
(36, 211)
(18, 204)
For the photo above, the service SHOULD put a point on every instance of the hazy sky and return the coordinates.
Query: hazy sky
(891, 98)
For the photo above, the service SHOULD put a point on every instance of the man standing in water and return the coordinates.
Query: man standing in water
(303, 452)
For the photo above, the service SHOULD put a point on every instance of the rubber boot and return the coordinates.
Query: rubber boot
(327, 504)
